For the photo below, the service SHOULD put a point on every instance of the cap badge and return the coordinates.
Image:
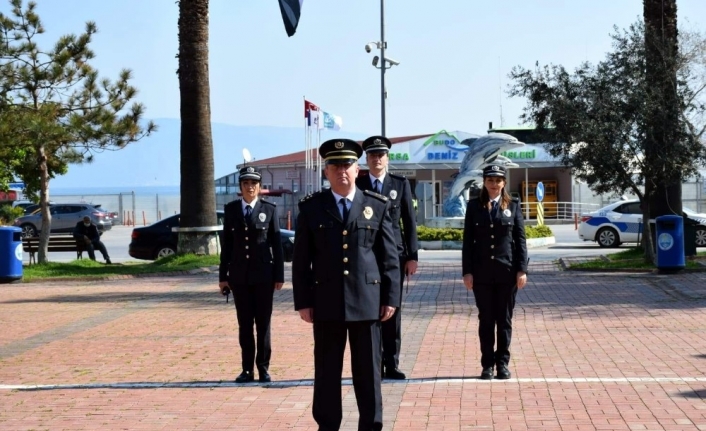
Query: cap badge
(377, 141)
(507, 213)
(368, 213)
(251, 169)
(338, 145)
(262, 216)
(393, 194)
(495, 168)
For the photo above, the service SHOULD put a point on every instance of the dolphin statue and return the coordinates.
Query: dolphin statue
(481, 152)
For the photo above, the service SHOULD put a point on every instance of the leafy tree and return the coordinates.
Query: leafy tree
(597, 121)
(198, 195)
(54, 109)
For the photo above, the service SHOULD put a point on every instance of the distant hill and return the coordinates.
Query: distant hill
(154, 161)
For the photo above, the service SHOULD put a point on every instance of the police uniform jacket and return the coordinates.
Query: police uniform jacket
(398, 191)
(487, 240)
(252, 247)
(345, 272)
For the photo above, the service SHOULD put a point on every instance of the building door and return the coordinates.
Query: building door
(429, 197)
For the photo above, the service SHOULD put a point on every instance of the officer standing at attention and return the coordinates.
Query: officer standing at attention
(345, 277)
(397, 189)
(494, 260)
(252, 266)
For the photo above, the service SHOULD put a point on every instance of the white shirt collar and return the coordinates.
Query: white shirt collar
(496, 200)
(381, 178)
(338, 197)
(252, 204)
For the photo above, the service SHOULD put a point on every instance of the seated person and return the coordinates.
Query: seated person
(88, 232)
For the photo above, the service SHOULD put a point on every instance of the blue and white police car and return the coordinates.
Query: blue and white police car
(621, 222)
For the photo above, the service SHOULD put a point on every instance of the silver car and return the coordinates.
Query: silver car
(64, 218)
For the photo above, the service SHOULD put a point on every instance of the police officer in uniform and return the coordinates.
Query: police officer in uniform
(494, 260)
(345, 277)
(397, 189)
(252, 267)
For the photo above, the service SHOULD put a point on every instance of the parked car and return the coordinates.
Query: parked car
(621, 222)
(63, 219)
(157, 240)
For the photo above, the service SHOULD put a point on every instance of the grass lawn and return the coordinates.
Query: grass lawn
(89, 268)
(631, 258)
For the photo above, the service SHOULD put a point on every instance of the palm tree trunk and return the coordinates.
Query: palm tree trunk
(198, 200)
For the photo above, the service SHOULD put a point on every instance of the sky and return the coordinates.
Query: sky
(454, 55)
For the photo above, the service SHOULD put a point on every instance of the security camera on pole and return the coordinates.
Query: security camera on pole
(383, 61)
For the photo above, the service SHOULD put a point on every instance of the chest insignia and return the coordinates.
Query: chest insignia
(393, 194)
(507, 213)
(262, 216)
(368, 213)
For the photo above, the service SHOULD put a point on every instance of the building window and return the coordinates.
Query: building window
(295, 186)
(266, 186)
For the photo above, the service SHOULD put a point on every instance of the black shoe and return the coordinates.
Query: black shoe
(108, 262)
(503, 372)
(487, 373)
(245, 377)
(265, 377)
(394, 374)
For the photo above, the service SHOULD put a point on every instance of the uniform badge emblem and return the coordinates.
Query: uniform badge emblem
(251, 169)
(377, 142)
(393, 194)
(496, 168)
(368, 213)
(507, 213)
(338, 145)
(262, 216)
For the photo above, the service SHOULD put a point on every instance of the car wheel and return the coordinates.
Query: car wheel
(607, 237)
(701, 237)
(164, 251)
(28, 231)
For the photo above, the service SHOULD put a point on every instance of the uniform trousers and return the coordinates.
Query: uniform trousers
(392, 329)
(495, 291)
(253, 304)
(329, 347)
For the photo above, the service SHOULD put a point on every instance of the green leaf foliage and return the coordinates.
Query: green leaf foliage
(449, 234)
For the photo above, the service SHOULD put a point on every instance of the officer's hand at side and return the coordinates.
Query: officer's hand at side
(386, 312)
(278, 286)
(521, 279)
(410, 268)
(468, 281)
(307, 315)
(223, 285)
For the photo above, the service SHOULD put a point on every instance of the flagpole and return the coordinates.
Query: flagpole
(382, 69)
(306, 148)
(318, 159)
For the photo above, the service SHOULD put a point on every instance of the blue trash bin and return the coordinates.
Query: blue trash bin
(10, 254)
(670, 242)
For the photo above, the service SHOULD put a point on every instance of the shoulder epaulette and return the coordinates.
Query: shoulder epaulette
(401, 177)
(274, 204)
(376, 195)
(516, 200)
(309, 196)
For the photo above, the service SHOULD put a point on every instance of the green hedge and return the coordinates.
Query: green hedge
(8, 214)
(449, 234)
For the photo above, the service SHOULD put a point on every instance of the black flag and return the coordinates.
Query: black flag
(291, 10)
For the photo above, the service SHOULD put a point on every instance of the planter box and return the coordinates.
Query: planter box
(458, 245)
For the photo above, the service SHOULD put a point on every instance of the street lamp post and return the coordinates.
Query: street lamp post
(384, 64)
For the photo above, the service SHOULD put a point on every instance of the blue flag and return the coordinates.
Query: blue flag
(291, 10)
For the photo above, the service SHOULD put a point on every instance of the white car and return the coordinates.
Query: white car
(621, 222)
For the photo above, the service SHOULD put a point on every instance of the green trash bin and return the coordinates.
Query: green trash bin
(689, 236)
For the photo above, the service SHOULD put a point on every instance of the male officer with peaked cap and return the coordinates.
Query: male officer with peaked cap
(252, 266)
(398, 190)
(345, 275)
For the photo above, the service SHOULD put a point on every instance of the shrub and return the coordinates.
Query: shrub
(8, 214)
(449, 234)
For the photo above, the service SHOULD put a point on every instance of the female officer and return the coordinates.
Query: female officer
(494, 260)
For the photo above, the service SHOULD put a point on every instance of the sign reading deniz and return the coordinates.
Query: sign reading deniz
(445, 149)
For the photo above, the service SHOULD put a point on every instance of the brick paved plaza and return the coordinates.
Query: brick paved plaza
(590, 352)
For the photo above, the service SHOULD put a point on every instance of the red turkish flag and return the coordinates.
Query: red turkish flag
(308, 106)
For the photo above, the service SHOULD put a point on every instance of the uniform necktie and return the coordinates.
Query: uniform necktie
(494, 211)
(344, 212)
(248, 211)
(378, 187)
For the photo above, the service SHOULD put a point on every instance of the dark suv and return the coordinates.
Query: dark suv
(63, 219)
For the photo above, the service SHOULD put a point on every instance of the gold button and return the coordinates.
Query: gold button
(246, 247)
(491, 225)
(345, 246)
(345, 260)
(492, 236)
(492, 257)
(492, 246)
(247, 256)
(246, 238)
(345, 272)
(345, 232)
(246, 228)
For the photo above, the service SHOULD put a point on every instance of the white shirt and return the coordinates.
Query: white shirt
(381, 179)
(252, 204)
(349, 200)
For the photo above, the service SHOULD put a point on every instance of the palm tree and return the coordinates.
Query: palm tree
(198, 200)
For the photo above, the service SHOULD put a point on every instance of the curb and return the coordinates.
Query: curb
(197, 271)
(458, 245)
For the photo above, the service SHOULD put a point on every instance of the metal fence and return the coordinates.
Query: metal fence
(132, 209)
